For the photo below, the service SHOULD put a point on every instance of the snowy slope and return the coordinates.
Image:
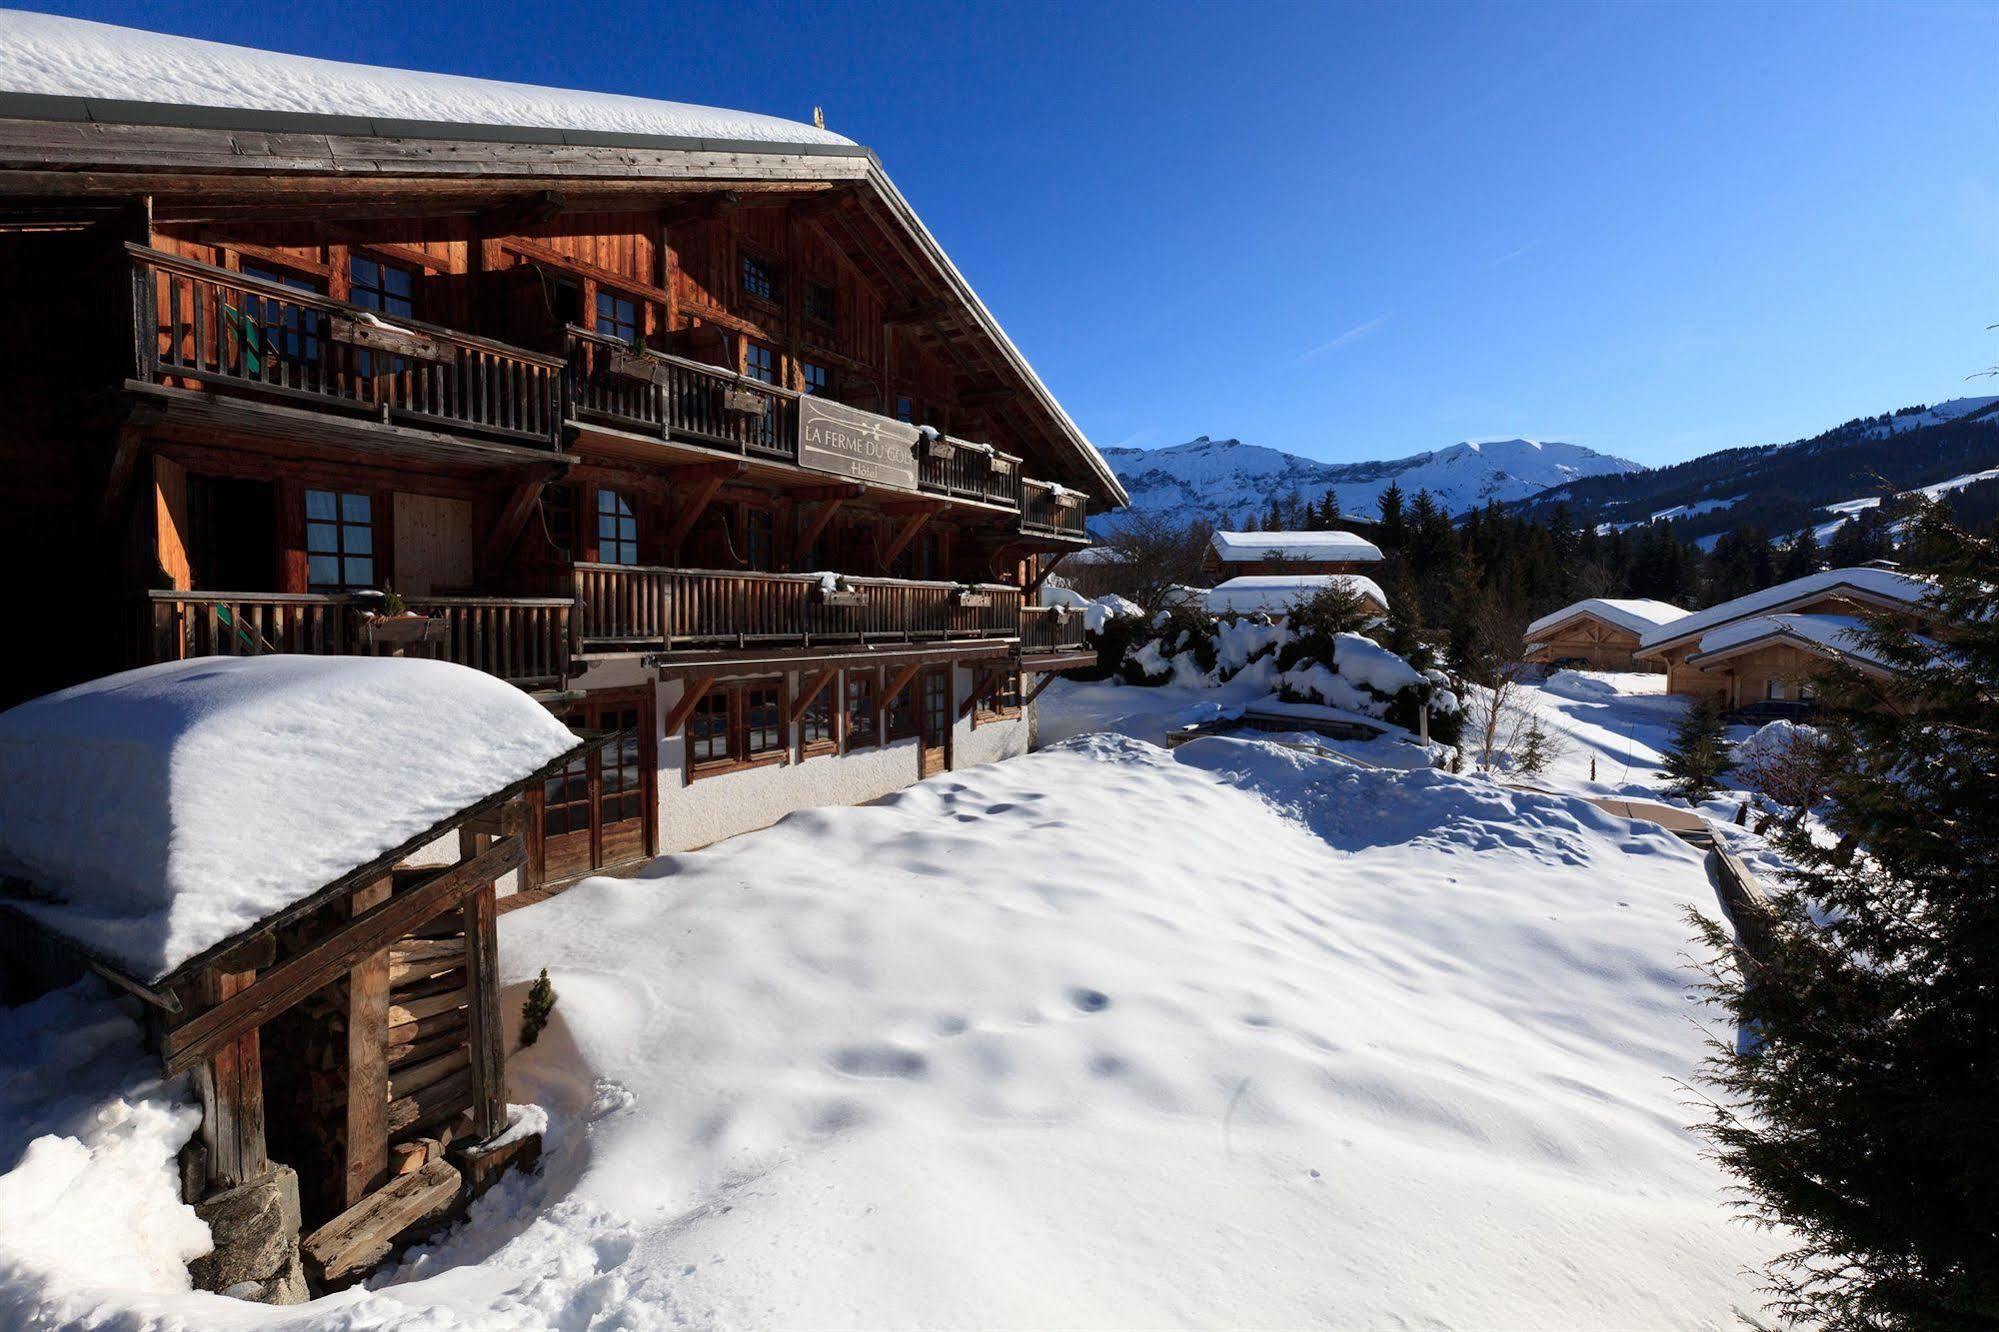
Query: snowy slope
(65, 57)
(1227, 481)
(1104, 1036)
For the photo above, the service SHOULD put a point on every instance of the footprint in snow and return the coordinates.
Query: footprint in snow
(880, 1061)
(1089, 1001)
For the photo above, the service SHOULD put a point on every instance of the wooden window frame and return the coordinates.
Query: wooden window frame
(736, 693)
(752, 346)
(912, 729)
(873, 739)
(993, 705)
(773, 273)
(832, 700)
(630, 500)
(605, 291)
(831, 315)
(828, 386)
(379, 521)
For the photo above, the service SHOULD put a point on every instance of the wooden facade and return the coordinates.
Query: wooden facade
(1775, 669)
(557, 414)
(1590, 641)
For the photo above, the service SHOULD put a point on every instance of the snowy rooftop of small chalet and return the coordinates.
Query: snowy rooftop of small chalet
(162, 811)
(1278, 593)
(55, 56)
(1243, 547)
(1882, 583)
(1636, 616)
(1835, 633)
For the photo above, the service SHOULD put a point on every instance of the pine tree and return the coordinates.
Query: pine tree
(1535, 750)
(536, 1008)
(1861, 1121)
(1698, 757)
(1393, 527)
(1801, 557)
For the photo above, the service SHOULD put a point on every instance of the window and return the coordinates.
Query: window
(760, 280)
(813, 377)
(288, 332)
(617, 316)
(999, 698)
(617, 529)
(760, 539)
(339, 541)
(820, 302)
(905, 410)
(620, 776)
(899, 713)
(815, 724)
(763, 719)
(373, 285)
(861, 728)
(760, 362)
(708, 729)
(565, 799)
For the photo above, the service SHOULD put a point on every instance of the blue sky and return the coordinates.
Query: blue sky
(1360, 232)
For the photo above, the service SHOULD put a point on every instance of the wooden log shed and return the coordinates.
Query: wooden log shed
(355, 1036)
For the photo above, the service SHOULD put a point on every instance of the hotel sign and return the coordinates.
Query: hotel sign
(833, 437)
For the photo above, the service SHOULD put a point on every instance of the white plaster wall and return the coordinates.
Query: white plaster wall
(693, 814)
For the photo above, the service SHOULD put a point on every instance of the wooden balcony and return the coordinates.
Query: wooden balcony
(1046, 629)
(635, 607)
(1050, 510)
(647, 392)
(522, 640)
(198, 326)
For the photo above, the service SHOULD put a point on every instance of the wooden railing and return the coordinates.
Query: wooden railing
(1045, 629)
(654, 393)
(195, 324)
(634, 606)
(523, 640)
(981, 474)
(1048, 510)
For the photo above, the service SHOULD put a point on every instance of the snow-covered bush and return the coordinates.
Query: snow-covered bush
(1786, 764)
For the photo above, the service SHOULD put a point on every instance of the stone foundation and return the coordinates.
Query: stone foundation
(255, 1227)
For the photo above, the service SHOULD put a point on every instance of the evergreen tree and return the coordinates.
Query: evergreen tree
(1393, 525)
(1801, 557)
(1698, 757)
(1860, 1118)
(1534, 750)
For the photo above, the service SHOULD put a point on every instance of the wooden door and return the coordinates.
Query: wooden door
(596, 814)
(433, 544)
(934, 699)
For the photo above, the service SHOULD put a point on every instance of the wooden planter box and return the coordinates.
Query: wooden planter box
(743, 402)
(940, 448)
(969, 599)
(388, 341)
(400, 631)
(1064, 500)
(636, 367)
(848, 598)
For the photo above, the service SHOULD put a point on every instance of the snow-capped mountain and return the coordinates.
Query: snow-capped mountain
(1224, 480)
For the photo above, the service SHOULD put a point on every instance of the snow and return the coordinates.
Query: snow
(1241, 547)
(1365, 662)
(1884, 583)
(1835, 633)
(1693, 510)
(88, 1134)
(1847, 509)
(169, 808)
(1942, 412)
(1634, 614)
(65, 57)
(1095, 611)
(1277, 594)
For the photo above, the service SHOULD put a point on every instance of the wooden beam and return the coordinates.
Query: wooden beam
(513, 518)
(693, 506)
(362, 1236)
(482, 1010)
(813, 688)
(118, 483)
(910, 528)
(916, 312)
(681, 711)
(1047, 679)
(899, 681)
(1041, 575)
(230, 1080)
(367, 1142)
(529, 210)
(986, 681)
(816, 524)
(542, 254)
(408, 255)
(250, 1006)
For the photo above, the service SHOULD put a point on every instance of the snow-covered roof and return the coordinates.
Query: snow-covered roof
(165, 810)
(1884, 584)
(1242, 547)
(1278, 593)
(55, 56)
(1834, 633)
(1636, 616)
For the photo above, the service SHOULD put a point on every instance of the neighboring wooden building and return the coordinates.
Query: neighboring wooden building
(605, 409)
(1598, 634)
(1767, 647)
(1240, 554)
(329, 976)
(1278, 594)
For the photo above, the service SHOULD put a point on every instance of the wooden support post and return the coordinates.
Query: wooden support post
(908, 533)
(900, 681)
(681, 711)
(694, 503)
(231, 1083)
(987, 682)
(118, 483)
(814, 686)
(367, 1061)
(1041, 576)
(482, 1010)
(513, 518)
(1047, 678)
(816, 525)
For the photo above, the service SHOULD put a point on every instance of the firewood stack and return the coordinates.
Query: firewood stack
(430, 1076)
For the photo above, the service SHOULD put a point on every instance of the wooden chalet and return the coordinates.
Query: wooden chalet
(1597, 633)
(1762, 652)
(1259, 554)
(702, 441)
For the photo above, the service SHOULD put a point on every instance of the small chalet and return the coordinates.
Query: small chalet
(676, 419)
(1598, 634)
(293, 862)
(1279, 594)
(1234, 554)
(1762, 650)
